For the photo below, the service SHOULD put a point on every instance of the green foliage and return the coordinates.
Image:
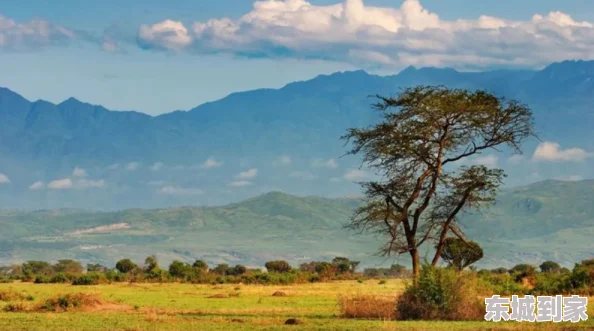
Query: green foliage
(125, 266)
(199, 264)
(443, 294)
(151, 263)
(68, 266)
(91, 278)
(180, 269)
(550, 266)
(461, 254)
(277, 266)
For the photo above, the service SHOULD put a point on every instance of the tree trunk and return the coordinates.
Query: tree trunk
(415, 264)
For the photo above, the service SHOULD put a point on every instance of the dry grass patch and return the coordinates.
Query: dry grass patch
(218, 296)
(10, 295)
(367, 307)
(79, 302)
(279, 294)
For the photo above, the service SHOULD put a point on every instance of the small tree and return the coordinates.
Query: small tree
(151, 263)
(460, 253)
(550, 266)
(125, 266)
(95, 267)
(221, 269)
(278, 266)
(201, 265)
(415, 150)
(68, 266)
(179, 269)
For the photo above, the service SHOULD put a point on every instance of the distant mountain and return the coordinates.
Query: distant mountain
(40, 141)
(546, 220)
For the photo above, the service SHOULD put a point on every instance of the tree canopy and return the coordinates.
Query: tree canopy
(420, 151)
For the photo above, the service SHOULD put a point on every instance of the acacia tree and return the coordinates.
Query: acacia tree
(460, 254)
(417, 149)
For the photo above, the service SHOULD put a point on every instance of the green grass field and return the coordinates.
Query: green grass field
(237, 307)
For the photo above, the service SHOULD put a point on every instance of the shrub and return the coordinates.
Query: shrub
(15, 307)
(11, 296)
(68, 266)
(201, 265)
(91, 278)
(70, 302)
(367, 307)
(443, 294)
(549, 283)
(60, 278)
(42, 280)
(125, 266)
(279, 266)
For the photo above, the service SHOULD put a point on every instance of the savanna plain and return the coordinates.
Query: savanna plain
(136, 306)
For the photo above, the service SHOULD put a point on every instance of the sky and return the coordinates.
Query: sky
(155, 56)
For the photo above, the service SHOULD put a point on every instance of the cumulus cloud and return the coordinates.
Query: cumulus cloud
(4, 179)
(249, 174)
(79, 172)
(167, 35)
(60, 184)
(132, 166)
(388, 36)
(356, 174)
(177, 190)
(37, 186)
(211, 162)
(283, 160)
(319, 163)
(550, 151)
(35, 34)
(240, 183)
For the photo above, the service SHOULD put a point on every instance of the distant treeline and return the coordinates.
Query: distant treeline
(125, 270)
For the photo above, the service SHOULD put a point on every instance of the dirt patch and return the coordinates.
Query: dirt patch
(218, 296)
(279, 294)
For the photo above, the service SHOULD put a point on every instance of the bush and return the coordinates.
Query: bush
(91, 278)
(15, 307)
(279, 266)
(549, 283)
(42, 280)
(70, 302)
(60, 278)
(443, 294)
(367, 307)
(8, 296)
(125, 266)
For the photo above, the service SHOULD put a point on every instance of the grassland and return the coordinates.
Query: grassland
(224, 307)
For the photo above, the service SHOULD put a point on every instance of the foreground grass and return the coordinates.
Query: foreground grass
(225, 307)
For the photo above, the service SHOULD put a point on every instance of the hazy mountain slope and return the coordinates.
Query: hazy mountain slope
(546, 220)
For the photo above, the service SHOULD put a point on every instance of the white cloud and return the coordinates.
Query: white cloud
(34, 34)
(283, 160)
(239, 183)
(132, 166)
(60, 184)
(362, 34)
(167, 35)
(550, 151)
(113, 166)
(335, 180)
(303, 175)
(4, 179)
(249, 174)
(356, 175)
(319, 163)
(211, 162)
(37, 186)
(157, 166)
(176, 190)
(486, 160)
(79, 172)
(515, 159)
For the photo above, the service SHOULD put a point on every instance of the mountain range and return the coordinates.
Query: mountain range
(528, 224)
(251, 142)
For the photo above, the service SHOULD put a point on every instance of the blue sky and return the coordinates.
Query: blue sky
(156, 56)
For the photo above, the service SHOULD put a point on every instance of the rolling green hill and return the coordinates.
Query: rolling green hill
(546, 220)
